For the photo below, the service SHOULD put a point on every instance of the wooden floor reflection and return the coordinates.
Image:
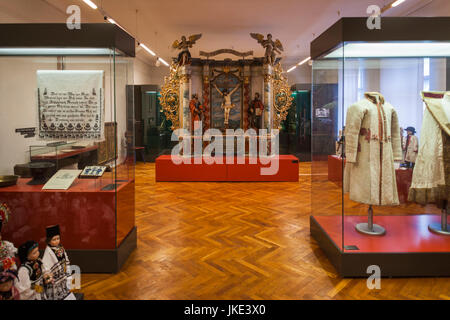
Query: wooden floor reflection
(236, 241)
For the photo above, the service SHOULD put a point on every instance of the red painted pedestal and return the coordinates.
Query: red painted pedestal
(92, 221)
(228, 170)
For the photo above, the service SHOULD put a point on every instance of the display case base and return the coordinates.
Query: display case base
(104, 261)
(408, 249)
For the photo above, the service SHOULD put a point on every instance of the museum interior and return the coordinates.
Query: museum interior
(238, 150)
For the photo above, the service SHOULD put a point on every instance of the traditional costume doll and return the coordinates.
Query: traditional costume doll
(56, 260)
(8, 280)
(7, 249)
(372, 143)
(411, 147)
(33, 276)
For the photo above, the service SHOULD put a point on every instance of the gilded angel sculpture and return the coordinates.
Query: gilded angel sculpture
(272, 47)
(184, 57)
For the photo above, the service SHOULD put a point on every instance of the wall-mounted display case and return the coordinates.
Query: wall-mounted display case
(67, 88)
(381, 146)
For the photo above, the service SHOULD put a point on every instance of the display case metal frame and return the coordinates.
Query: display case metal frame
(392, 264)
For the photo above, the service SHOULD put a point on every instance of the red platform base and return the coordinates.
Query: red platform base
(167, 170)
(407, 249)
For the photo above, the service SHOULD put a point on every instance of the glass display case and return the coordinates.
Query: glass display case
(64, 107)
(381, 146)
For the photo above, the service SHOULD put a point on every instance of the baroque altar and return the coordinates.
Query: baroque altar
(242, 93)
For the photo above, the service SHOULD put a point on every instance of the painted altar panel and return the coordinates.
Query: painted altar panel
(217, 114)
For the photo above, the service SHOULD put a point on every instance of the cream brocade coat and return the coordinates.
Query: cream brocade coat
(431, 177)
(372, 143)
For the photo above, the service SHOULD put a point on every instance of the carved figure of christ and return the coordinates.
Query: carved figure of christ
(226, 102)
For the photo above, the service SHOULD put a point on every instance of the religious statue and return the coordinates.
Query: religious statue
(184, 57)
(255, 111)
(226, 103)
(272, 47)
(196, 111)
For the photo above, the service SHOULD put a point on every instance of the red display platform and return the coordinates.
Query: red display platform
(407, 249)
(92, 221)
(403, 233)
(167, 170)
(403, 176)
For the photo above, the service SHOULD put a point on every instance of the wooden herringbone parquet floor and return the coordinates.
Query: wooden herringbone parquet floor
(235, 241)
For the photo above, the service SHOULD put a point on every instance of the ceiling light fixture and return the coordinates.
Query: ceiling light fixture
(90, 4)
(112, 21)
(304, 61)
(292, 68)
(147, 49)
(396, 3)
(163, 61)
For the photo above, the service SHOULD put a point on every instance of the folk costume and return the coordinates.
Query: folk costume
(431, 177)
(411, 147)
(372, 136)
(31, 274)
(56, 260)
(7, 250)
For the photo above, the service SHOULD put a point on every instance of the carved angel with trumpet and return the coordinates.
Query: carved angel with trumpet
(272, 47)
(184, 57)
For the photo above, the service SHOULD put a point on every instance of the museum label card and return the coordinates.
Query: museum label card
(62, 180)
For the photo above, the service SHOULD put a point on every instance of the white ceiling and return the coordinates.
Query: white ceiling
(224, 24)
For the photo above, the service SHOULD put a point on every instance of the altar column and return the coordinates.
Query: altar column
(247, 94)
(185, 113)
(268, 74)
(206, 93)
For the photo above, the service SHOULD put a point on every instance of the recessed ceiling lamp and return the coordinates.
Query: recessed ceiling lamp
(299, 64)
(147, 49)
(112, 21)
(90, 4)
(396, 3)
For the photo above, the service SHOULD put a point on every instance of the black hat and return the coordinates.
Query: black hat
(53, 231)
(25, 249)
(412, 129)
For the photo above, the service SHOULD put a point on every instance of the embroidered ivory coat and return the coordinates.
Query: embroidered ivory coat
(372, 143)
(431, 177)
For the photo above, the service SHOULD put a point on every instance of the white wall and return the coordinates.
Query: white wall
(145, 73)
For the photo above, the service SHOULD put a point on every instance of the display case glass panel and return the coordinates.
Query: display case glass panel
(375, 186)
(66, 108)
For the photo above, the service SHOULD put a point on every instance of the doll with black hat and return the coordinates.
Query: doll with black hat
(33, 276)
(7, 249)
(56, 260)
(410, 147)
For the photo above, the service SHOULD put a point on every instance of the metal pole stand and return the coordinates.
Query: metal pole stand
(442, 228)
(370, 228)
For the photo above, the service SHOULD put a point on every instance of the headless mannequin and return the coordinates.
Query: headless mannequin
(446, 104)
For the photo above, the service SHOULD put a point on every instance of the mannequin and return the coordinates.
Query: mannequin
(431, 178)
(372, 143)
